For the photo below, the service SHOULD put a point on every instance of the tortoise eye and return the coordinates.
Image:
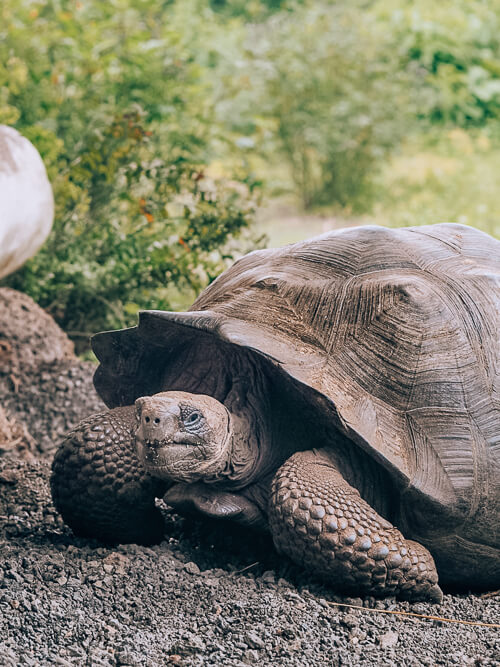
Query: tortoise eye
(193, 418)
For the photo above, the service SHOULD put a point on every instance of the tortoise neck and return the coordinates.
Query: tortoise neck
(248, 404)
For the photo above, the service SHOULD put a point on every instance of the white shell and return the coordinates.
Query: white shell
(26, 201)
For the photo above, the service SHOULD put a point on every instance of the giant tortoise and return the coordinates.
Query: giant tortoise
(342, 392)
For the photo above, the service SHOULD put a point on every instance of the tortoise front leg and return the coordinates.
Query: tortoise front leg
(99, 485)
(322, 523)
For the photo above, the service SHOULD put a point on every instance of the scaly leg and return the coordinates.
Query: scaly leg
(100, 487)
(322, 523)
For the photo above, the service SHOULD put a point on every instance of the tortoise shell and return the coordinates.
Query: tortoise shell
(395, 331)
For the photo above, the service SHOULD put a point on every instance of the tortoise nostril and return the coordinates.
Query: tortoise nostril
(146, 419)
(157, 420)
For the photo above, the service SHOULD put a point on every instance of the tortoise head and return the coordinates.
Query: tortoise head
(183, 437)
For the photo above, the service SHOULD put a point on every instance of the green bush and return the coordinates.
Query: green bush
(317, 88)
(113, 98)
(252, 9)
(453, 51)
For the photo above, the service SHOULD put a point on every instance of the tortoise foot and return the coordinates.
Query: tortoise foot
(99, 486)
(322, 523)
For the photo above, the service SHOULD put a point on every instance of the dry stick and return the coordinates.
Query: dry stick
(491, 594)
(411, 613)
(245, 568)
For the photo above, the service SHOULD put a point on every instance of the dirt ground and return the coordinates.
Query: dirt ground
(209, 594)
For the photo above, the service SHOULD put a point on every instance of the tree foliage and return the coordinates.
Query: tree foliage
(330, 88)
(327, 89)
(453, 51)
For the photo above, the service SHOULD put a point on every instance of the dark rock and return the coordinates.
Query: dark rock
(350, 620)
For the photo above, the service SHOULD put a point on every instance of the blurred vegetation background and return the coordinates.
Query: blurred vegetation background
(179, 134)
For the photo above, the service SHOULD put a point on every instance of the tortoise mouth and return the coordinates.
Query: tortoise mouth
(167, 457)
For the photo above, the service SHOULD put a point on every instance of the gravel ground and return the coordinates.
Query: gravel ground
(209, 594)
(186, 601)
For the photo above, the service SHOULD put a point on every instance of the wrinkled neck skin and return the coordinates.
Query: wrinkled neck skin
(270, 423)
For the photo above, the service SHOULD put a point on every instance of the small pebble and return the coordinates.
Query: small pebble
(350, 620)
(192, 568)
(388, 639)
(253, 640)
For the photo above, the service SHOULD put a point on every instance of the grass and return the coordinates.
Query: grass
(452, 177)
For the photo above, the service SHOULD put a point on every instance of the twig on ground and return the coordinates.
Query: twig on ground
(414, 615)
(491, 594)
(248, 567)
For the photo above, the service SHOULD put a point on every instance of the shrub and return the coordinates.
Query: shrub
(112, 97)
(453, 51)
(318, 89)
